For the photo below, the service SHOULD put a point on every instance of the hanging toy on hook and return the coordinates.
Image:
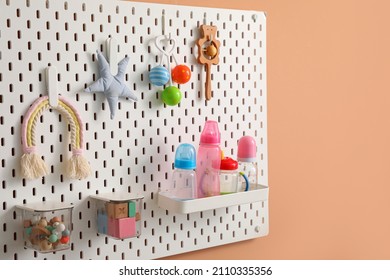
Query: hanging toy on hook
(112, 78)
(32, 164)
(181, 73)
(159, 75)
(208, 51)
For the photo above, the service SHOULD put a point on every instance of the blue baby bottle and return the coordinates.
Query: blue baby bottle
(184, 176)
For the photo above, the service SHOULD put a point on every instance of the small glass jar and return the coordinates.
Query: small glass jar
(228, 178)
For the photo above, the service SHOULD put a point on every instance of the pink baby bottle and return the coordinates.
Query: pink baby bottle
(208, 161)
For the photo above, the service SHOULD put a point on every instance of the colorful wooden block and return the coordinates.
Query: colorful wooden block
(112, 227)
(126, 227)
(132, 209)
(117, 210)
(102, 222)
(138, 216)
(122, 228)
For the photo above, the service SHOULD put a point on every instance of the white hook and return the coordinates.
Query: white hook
(158, 44)
(112, 48)
(51, 85)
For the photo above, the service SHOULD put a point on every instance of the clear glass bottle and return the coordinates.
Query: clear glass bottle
(247, 163)
(184, 176)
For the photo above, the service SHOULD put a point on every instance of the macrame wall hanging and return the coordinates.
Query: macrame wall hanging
(32, 164)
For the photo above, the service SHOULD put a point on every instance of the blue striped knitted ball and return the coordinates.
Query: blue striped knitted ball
(159, 76)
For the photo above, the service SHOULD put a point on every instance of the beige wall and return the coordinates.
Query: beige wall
(329, 130)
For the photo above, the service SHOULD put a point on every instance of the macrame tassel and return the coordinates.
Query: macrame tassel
(33, 166)
(78, 166)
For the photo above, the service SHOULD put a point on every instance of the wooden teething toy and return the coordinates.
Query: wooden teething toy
(47, 235)
(208, 51)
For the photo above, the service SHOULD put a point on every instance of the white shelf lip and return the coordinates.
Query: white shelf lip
(45, 206)
(116, 197)
(214, 202)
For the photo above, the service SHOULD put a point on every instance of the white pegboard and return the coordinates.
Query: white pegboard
(134, 152)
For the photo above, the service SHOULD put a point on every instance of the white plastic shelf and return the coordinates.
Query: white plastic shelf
(208, 203)
(116, 197)
(45, 206)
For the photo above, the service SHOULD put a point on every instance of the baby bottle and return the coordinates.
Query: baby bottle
(246, 157)
(228, 176)
(184, 176)
(208, 161)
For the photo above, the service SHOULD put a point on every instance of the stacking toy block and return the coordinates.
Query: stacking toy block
(102, 222)
(122, 228)
(126, 227)
(117, 210)
(117, 215)
(113, 227)
(132, 209)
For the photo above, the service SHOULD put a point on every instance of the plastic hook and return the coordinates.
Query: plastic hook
(112, 48)
(158, 43)
(51, 85)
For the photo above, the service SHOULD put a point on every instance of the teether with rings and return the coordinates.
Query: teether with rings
(159, 75)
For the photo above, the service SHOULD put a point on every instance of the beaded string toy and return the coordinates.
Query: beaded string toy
(32, 164)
